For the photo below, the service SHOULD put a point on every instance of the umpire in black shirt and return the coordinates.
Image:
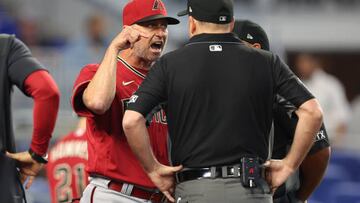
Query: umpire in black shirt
(299, 187)
(220, 95)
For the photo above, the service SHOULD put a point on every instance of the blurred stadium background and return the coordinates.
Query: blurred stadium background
(65, 35)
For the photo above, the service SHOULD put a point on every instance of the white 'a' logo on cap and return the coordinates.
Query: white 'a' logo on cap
(157, 5)
(249, 36)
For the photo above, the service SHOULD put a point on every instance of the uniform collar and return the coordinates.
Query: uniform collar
(139, 72)
(223, 37)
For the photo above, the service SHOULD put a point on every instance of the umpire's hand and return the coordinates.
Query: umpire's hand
(163, 178)
(29, 168)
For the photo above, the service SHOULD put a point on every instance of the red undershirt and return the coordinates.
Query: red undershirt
(43, 89)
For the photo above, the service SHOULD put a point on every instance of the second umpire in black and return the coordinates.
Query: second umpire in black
(299, 187)
(219, 95)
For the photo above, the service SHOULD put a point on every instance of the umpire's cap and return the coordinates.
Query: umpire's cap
(252, 33)
(137, 11)
(213, 11)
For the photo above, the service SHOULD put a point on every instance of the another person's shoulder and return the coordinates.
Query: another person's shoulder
(260, 53)
(16, 47)
(86, 73)
(8, 37)
(90, 67)
(16, 42)
(262, 57)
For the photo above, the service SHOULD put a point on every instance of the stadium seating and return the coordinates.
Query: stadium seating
(341, 183)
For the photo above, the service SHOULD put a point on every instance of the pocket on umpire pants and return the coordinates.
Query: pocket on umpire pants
(10, 186)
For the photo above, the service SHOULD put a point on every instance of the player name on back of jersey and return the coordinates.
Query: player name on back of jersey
(77, 148)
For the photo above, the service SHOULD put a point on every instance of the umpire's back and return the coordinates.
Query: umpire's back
(220, 97)
(219, 92)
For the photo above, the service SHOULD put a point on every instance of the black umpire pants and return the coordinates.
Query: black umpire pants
(11, 190)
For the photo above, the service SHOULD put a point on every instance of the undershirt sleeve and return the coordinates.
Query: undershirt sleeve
(42, 88)
(321, 140)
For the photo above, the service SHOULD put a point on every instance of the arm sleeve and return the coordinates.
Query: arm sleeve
(151, 92)
(82, 81)
(288, 85)
(21, 63)
(42, 88)
(321, 141)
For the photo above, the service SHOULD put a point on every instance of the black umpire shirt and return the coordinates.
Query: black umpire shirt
(16, 63)
(220, 95)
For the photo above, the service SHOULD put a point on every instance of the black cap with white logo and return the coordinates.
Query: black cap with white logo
(212, 11)
(252, 33)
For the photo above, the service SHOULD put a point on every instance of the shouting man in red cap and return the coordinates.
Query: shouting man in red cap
(101, 93)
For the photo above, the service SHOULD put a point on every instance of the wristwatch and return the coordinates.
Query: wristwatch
(38, 158)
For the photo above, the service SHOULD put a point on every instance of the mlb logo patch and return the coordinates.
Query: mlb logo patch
(215, 47)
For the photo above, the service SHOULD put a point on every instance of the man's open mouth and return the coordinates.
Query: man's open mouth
(157, 46)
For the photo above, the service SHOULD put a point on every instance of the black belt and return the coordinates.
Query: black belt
(213, 172)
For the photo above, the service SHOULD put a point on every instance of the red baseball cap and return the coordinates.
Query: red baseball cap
(137, 11)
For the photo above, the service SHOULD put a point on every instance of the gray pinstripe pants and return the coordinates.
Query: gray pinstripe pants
(98, 192)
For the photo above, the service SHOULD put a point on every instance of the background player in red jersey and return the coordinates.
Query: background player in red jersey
(101, 93)
(66, 166)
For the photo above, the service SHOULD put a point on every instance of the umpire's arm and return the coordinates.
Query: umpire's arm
(310, 119)
(313, 168)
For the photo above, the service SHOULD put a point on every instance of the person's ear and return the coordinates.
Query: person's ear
(256, 45)
(232, 24)
(192, 26)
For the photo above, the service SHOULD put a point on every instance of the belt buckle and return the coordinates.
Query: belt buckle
(233, 173)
